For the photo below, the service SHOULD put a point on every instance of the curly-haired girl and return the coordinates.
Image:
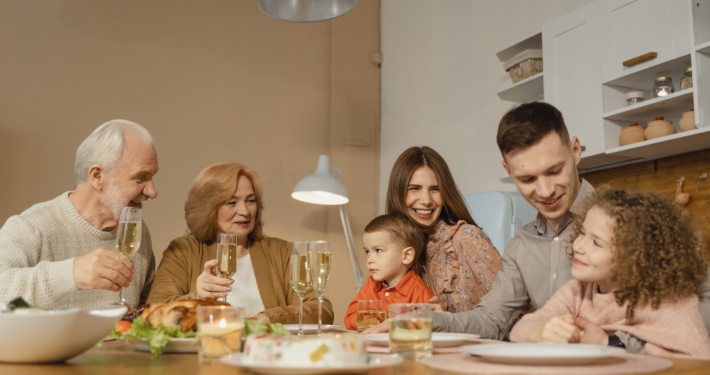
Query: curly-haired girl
(638, 268)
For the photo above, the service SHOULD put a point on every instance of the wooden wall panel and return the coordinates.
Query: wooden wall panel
(660, 176)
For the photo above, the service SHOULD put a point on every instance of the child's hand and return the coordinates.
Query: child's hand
(593, 334)
(435, 305)
(557, 330)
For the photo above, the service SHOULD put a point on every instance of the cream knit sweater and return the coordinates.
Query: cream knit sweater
(674, 330)
(37, 251)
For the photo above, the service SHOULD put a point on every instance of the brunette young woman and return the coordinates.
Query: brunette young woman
(459, 261)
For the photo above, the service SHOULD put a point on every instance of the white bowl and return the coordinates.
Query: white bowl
(52, 336)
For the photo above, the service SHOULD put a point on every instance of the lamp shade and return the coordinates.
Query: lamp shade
(306, 10)
(321, 187)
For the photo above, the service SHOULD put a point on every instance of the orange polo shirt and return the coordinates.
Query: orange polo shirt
(410, 289)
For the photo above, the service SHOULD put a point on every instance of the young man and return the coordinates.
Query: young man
(542, 161)
(61, 253)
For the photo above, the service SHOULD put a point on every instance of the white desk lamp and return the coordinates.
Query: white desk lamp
(324, 187)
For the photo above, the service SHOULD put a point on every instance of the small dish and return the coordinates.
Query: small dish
(438, 339)
(374, 361)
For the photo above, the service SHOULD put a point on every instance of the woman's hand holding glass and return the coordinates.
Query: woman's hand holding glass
(210, 286)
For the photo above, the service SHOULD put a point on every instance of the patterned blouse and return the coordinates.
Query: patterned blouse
(461, 265)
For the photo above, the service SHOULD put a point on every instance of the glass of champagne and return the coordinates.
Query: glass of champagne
(128, 238)
(410, 329)
(227, 256)
(319, 261)
(370, 313)
(300, 279)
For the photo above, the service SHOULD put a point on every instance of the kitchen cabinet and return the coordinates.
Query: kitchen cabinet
(632, 28)
(571, 57)
(583, 56)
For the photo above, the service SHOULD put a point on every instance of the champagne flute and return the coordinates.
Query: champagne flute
(319, 261)
(300, 279)
(128, 238)
(227, 256)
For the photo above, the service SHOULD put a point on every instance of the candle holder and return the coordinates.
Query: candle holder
(219, 330)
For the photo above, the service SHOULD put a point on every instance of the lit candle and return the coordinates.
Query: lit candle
(220, 338)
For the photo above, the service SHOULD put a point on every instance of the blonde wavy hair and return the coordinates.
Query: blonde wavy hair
(212, 188)
(657, 257)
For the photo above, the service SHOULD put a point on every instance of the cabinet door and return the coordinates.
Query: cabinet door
(631, 28)
(572, 80)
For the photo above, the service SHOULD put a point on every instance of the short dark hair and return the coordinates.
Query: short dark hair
(402, 230)
(527, 124)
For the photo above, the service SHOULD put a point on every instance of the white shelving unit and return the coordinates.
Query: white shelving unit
(527, 90)
(530, 88)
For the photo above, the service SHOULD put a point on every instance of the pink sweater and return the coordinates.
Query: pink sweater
(674, 330)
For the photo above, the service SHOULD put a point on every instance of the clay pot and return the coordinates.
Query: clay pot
(687, 122)
(659, 128)
(631, 134)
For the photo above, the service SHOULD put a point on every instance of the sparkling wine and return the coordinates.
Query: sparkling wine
(369, 318)
(227, 256)
(410, 334)
(319, 265)
(300, 280)
(129, 237)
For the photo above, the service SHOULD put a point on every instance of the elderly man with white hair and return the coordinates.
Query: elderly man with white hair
(62, 253)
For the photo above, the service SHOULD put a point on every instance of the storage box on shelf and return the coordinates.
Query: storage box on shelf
(527, 89)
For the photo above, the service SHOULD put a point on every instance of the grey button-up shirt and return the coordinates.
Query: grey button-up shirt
(535, 266)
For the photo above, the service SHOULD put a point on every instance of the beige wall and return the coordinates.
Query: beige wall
(440, 76)
(213, 81)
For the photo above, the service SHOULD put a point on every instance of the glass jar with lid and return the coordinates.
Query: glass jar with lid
(687, 81)
(662, 86)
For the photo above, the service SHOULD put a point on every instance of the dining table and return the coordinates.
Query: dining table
(119, 357)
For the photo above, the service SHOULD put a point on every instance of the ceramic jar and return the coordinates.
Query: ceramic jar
(631, 134)
(659, 128)
(687, 122)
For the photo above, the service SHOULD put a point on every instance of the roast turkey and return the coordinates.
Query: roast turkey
(179, 312)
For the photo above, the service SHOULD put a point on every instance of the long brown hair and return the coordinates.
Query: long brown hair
(213, 187)
(410, 160)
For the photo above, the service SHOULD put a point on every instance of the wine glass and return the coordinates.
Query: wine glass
(128, 238)
(319, 261)
(227, 256)
(300, 280)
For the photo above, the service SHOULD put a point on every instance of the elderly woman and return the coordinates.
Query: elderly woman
(460, 260)
(227, 198)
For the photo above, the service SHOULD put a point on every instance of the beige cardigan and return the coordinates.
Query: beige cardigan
(184, 260)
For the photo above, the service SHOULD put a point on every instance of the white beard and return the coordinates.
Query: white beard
(113, 200)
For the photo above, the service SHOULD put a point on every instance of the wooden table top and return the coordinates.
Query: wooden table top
(118, 357)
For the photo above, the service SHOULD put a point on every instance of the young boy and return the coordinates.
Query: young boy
(393, 245)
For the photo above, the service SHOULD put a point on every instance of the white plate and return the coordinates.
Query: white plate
(174, 346)
(438, 339)
(541, 354)
(309, 329)
(374, 361)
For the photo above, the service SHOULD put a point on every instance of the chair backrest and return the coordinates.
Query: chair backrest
(500, 214)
